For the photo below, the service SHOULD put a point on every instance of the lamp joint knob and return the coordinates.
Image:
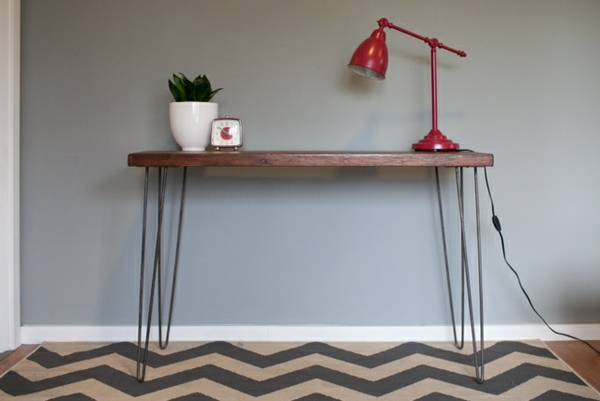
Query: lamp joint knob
(383, 23)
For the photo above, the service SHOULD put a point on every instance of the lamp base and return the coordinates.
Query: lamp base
(435, 141)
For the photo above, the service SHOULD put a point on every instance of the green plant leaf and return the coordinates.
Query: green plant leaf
(177, 90)
(188, 88)
(199, 93)
(213, 93)
(204, 92)
(199, 90)
(180, 85)
(177, 80)
(185, 79)
(177, 95)
(208, 86)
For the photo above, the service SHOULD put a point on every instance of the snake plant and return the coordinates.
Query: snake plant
(185, 90)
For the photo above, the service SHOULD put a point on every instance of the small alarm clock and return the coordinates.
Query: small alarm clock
(226, 133)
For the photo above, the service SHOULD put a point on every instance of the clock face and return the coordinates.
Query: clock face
(226, 132)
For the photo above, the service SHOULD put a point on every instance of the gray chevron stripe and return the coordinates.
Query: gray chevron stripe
(439, 397)
(554, 395)
(50, 359)
(201, 397)
(194, 397)
(73, 397)
(551, 395)
(316, 397)
(15, 384)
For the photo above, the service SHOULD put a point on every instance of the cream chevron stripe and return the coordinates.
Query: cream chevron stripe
(17, 385)
(361, 348)
(266, 348)
(50, 359)
(32, 371)
(527, 391)
(531, 389)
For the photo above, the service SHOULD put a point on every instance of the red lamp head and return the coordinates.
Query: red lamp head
(371, 57)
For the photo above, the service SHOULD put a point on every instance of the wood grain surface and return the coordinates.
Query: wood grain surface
(12, 358)
(309, 159)
(580, 358)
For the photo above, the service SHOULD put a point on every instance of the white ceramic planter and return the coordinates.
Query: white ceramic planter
(191, 123)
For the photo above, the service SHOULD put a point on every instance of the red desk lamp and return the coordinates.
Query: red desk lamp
(371, 59)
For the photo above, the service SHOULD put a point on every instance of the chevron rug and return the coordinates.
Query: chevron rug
(279, 371)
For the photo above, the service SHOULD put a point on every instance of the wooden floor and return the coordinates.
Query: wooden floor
(10, 359)
(581, 359)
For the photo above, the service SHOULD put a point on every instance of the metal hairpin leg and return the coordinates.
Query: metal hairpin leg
(457, 344)
(481, 377)
(478, 360)
(142, 354)
(478, 349)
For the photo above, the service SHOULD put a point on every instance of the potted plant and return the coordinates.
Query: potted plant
(192, 111)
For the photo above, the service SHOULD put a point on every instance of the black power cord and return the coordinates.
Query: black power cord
(498, 227)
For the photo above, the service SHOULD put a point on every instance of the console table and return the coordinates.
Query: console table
(163, 160)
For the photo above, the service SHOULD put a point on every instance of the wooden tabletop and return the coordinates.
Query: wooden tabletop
(308, 159)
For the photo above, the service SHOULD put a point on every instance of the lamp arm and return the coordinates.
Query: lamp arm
(432, 42)
(460, 53)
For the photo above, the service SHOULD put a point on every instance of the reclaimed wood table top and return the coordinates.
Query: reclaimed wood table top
(309, 159)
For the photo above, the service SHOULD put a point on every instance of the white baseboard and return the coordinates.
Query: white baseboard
(39, 334)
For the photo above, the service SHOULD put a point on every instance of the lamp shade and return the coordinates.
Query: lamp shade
(370, 59)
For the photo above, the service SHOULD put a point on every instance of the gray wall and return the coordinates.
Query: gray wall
(302, 246)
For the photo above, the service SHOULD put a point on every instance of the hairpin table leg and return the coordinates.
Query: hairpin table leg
(480, 276)
(478, 356)
(142, 353)
(139, 373)
(163, 344)
(459, 344)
